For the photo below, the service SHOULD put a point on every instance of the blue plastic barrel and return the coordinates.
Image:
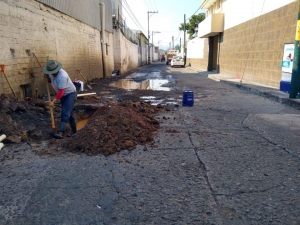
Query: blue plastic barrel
(188, 98)
(285, 86)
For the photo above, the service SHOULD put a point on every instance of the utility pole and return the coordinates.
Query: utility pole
(149, 37)
(295, 82)
(169, 45)
(172, 42)
(184, 47)
(180, 45)
(153, 32)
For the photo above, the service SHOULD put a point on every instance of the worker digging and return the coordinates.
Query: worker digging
(113, 123)
(65, 92)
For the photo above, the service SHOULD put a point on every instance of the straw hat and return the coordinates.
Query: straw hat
(52, 67)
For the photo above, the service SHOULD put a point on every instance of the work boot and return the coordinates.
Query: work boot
(71, 134)
(58, 135)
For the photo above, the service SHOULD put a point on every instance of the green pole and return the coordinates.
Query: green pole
(184, 47)
(295, 82)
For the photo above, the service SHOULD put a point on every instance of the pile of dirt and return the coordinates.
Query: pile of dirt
(14, 131)
(114, 127)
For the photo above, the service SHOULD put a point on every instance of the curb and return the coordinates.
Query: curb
(269, 93)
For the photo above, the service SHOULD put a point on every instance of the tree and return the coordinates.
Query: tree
(192, 24)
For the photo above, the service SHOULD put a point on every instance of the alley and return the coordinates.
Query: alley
(232, 158)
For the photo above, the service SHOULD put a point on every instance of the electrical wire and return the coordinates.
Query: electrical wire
(147, 4)
(132, 16)
(151, 5)
(127, 5)
(155, 5)
(178, 35)
(193, 14)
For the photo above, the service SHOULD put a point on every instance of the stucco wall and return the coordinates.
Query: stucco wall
(237, 11)
(27, 27)
(197, 53)
(253, 50)
(125, 53)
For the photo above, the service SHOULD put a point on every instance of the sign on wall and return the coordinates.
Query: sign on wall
(287, 60)
(287, 67)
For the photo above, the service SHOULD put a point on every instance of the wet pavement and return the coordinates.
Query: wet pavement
(232, 158)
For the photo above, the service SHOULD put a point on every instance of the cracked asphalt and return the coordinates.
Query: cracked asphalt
(232, 158)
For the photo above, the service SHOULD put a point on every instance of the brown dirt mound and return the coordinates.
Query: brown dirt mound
(113, 128)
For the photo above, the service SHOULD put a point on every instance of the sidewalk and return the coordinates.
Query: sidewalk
(267, 92)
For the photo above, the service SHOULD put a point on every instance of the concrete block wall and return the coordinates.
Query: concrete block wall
(27, 26)
(125, 53)
(254, 52)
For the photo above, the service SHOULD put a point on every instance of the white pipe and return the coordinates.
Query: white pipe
(103, 44)
(102, 22)
(1, 145)
(2, 137)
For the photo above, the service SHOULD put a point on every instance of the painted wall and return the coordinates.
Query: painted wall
(195, 48)
(142, 47)
(197, 53)
(125, 53)
(28, 26)
(237, 11)
(85, 11)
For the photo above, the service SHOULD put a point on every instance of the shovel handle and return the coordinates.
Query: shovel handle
(48, 93)
(3, 71)
(78, 70)
(2, 68)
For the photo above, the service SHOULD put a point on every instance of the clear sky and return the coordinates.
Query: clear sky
(167, 21)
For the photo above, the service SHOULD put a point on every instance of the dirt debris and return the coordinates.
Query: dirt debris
(111, 127)
(114, 127)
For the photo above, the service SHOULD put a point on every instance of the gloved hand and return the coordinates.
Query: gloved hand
(51, 104)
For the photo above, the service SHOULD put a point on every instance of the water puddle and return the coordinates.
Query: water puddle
(81, 124)
(144, 81)
(154, 101)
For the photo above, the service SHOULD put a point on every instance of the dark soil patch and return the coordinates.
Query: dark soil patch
(114, 127)
(119, 120)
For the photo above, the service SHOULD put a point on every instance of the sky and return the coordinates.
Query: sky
(169, 16)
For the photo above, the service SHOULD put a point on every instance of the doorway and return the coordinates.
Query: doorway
(213, 53)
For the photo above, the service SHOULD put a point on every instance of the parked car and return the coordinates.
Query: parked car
(177, 61)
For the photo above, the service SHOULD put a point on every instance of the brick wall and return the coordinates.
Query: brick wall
(253, 52)
(27, 26)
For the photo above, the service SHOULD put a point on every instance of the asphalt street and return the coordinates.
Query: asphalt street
(231, 158)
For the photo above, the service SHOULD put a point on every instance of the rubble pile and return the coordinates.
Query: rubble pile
(114, 127)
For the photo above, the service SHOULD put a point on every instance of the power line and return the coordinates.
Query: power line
(151, 5)
(132, 13)
(193, 14)
(147, 5)
(134, 19)
(155, 5)
(178, 35)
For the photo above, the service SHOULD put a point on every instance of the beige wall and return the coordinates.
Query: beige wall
(253, 52)
(201, 62)
(27, 25)
(125, 53)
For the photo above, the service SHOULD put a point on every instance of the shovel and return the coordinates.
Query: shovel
(3, 71)
(49, 97)
(89, 86)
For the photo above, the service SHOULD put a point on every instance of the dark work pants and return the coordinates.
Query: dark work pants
(67, 105)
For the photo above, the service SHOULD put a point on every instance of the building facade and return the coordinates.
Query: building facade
(46, 30)
(245, 39)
